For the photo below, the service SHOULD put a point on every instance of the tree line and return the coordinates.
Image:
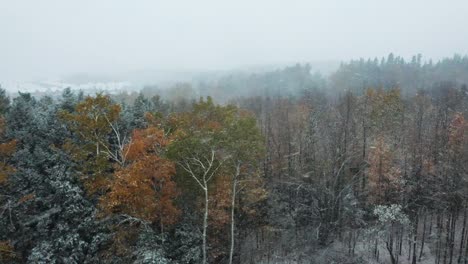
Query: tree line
(366, 165)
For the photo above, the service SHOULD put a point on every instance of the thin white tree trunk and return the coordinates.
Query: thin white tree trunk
(205, 223)
(233, 205)
(208, 173)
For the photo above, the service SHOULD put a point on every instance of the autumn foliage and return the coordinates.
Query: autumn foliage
(92, 117)
(144, 188)
(384, 177)
(7, 252)
(457, 130)
(91, 122)
(6, 150)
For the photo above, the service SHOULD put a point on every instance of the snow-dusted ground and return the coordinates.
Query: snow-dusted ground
(285, 247)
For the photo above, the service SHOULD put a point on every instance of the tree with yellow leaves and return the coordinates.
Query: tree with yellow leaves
(220, 145)
(92, 122)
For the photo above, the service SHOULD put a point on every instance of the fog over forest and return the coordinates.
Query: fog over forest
(55, 39)
(234, 132)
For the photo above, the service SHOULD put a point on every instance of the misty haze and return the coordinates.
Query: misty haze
(187, 132)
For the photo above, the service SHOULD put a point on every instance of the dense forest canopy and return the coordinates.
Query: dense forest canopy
(366, 165)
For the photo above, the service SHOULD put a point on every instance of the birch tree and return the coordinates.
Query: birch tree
(92, 123)
(197, 151)
(244, 143)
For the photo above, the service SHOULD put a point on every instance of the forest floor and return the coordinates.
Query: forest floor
(282, 247)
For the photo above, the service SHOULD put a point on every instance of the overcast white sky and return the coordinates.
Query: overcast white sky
(41, 38)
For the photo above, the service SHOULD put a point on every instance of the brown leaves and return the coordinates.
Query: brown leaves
(7, 252)
(457, 130)
(26, 198)
(6, 150)
(384, 176)
(144, 188)
(146, 142)
(221, 202)
(5, 171)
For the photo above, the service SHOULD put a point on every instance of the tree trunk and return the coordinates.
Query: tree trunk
(462, 239)
(390, 252)
(453, 224)
(397, 244)
(430, 224)
(447, 239)
(415, 237)
(350, 242)
(409, 247)
(423, 237)
(205, 224)
(400, 248)
(233, 204)
(439, 237)
(465, 256)
(375, 248)
(354, 242)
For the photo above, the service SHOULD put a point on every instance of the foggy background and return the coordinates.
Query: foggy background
(110, 40)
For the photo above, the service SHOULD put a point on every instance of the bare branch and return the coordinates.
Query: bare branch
(188, 169)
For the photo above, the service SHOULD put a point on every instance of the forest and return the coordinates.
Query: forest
(368, 164)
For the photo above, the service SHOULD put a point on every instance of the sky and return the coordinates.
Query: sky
(51, 38)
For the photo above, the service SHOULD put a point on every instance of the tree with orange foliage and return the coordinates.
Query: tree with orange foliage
(6, 150)
(384, 176)
(456, 160)
(144, 188)
(457, 130)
